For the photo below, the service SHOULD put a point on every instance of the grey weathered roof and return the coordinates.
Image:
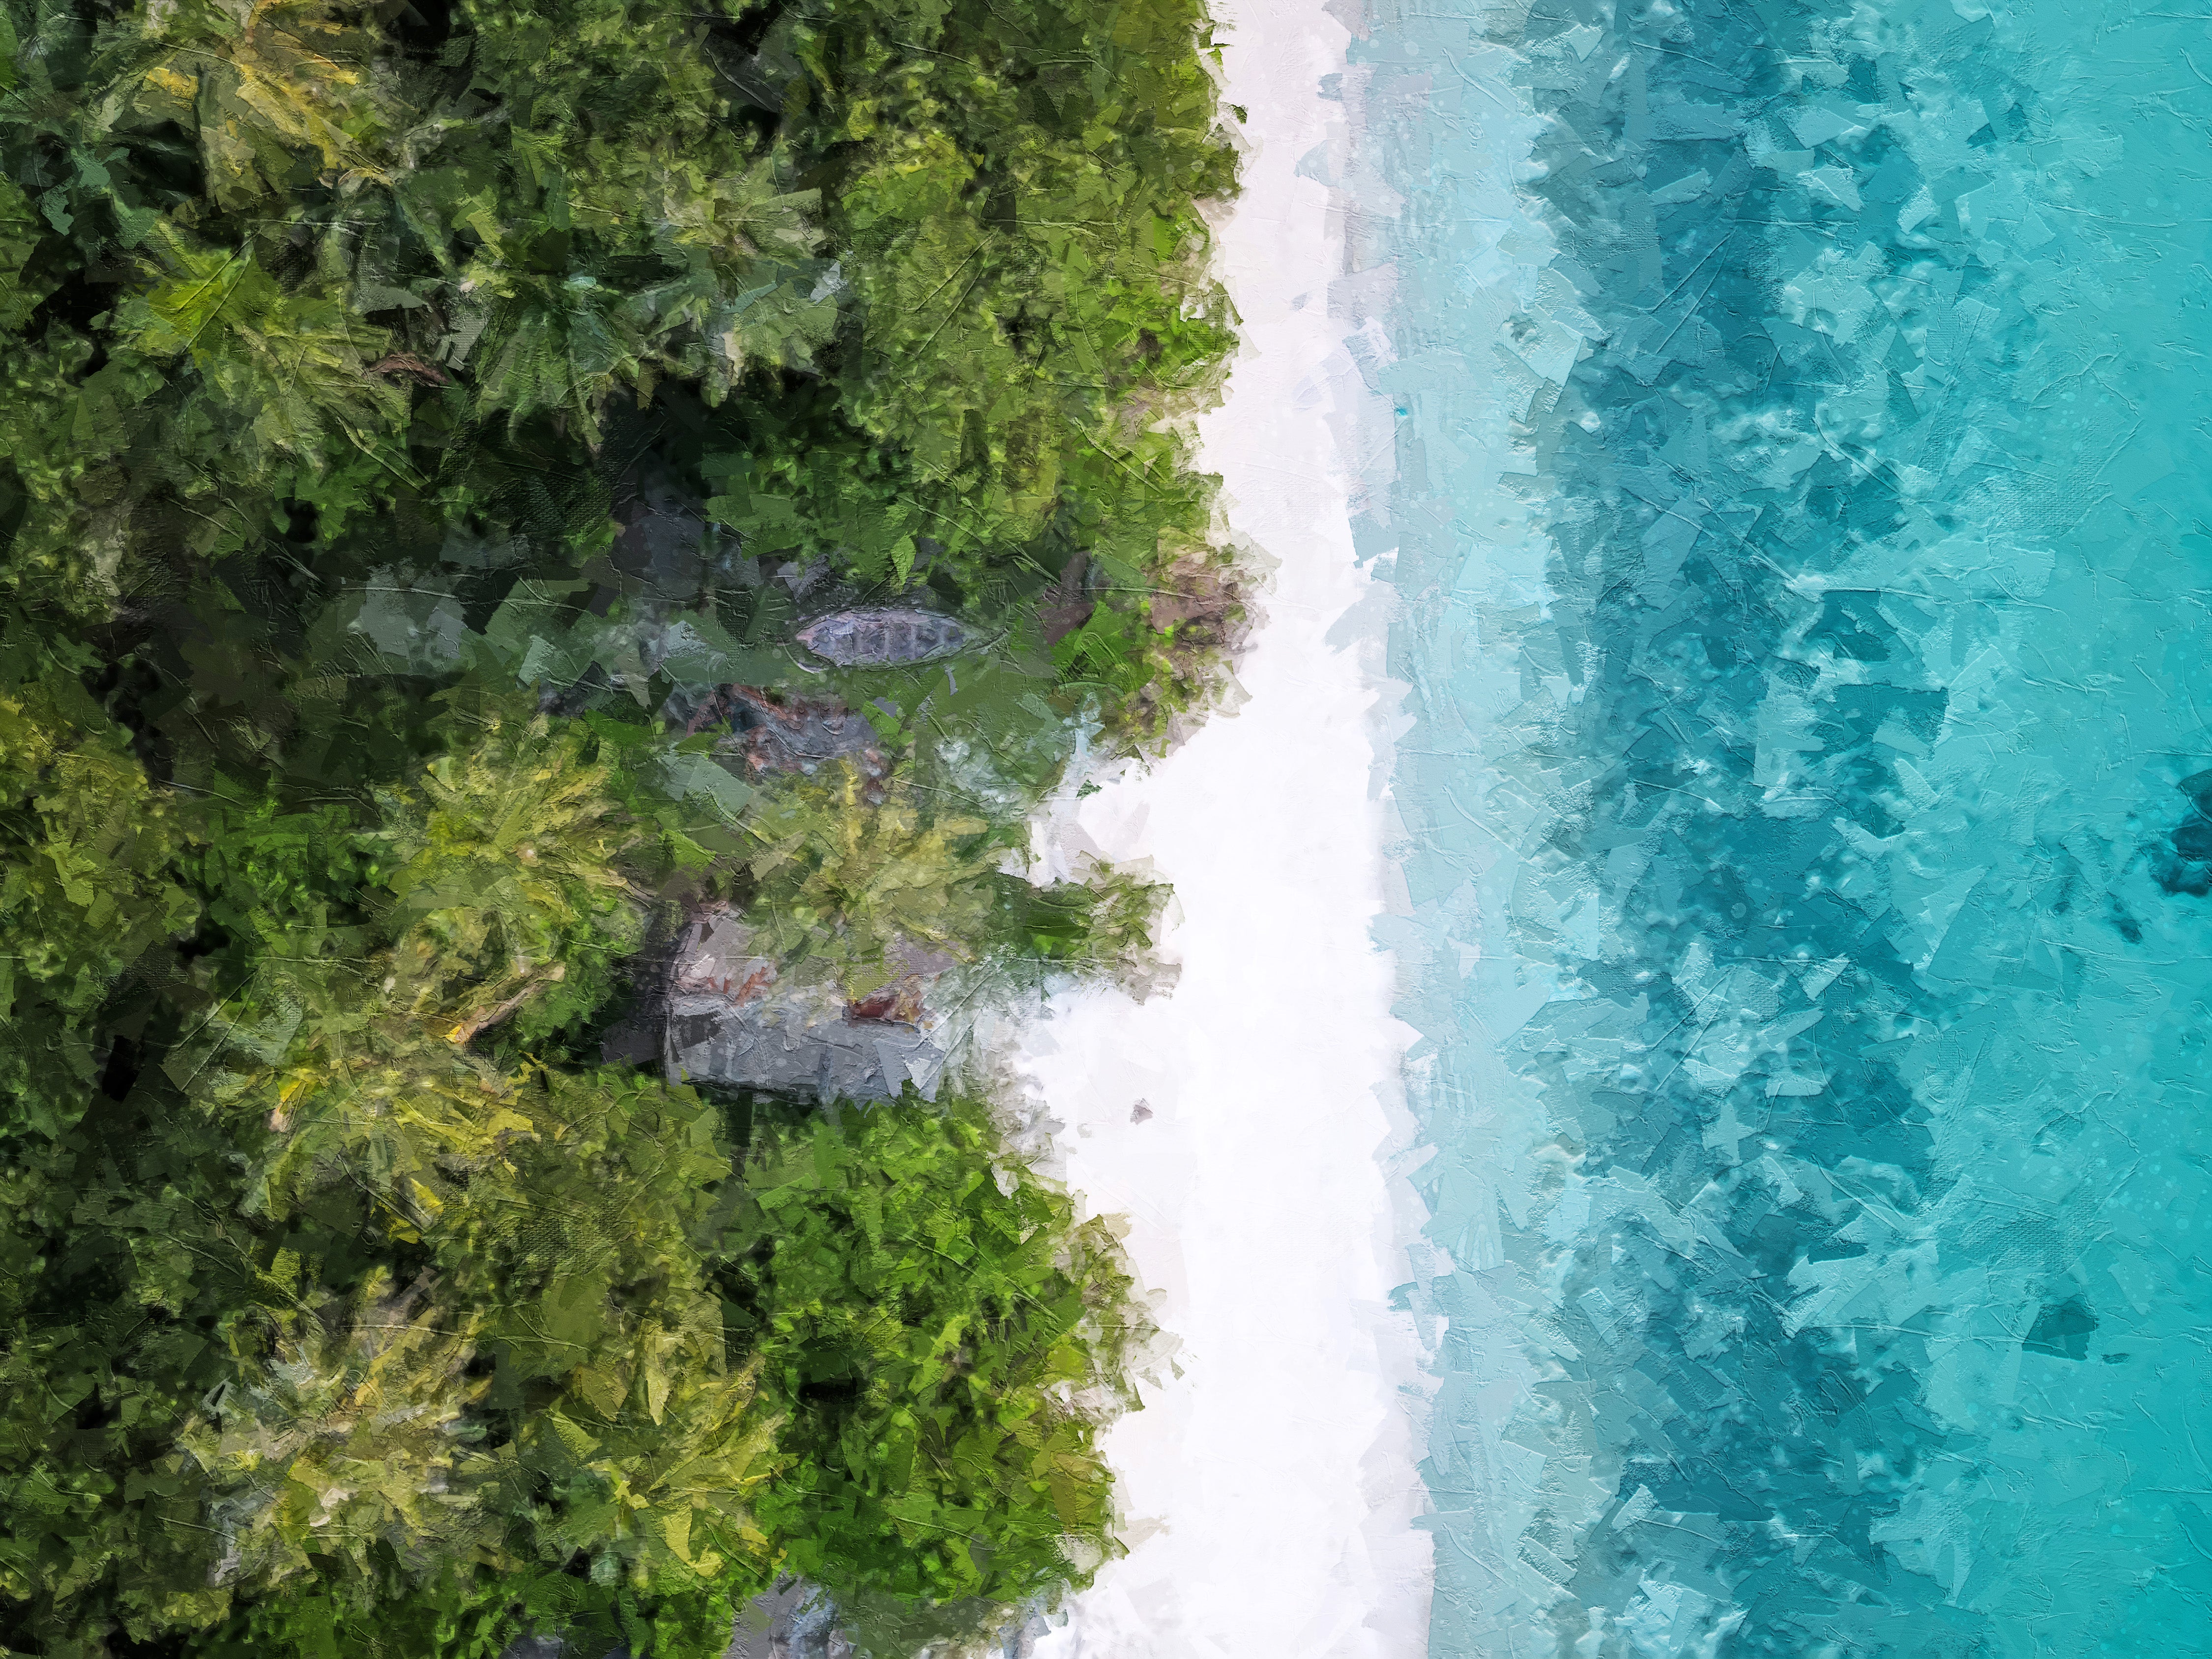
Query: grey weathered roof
(873, 636)
(777, 733)
(736, 1018)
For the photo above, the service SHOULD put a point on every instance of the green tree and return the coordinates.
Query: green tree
(406, 411)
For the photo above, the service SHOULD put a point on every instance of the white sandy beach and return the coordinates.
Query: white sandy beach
(1268, 1488)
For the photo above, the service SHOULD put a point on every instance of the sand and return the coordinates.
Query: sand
(1248, 1124)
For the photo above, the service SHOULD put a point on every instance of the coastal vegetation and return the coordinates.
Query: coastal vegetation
(426, 431)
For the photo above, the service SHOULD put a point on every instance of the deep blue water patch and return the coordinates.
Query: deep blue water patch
(1809, 818)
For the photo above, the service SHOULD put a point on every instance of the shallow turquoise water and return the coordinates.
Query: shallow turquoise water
(1805, 546)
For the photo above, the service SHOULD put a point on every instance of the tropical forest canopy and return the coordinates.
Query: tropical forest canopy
(419, 420)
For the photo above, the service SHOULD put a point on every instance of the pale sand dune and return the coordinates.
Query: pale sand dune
(1270, 1487)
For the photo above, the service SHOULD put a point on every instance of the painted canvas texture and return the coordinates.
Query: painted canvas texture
(1800, 538)
(1103, 830)
(549, 556)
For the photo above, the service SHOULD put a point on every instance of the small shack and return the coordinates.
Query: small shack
(734, 1017)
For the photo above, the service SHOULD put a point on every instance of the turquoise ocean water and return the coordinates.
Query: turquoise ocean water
(1804, 536)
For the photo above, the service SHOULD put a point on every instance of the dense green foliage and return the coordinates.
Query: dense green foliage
(330, 321)
(375, 1312)
(894, 1293)
(403, 408)
(920, 1310)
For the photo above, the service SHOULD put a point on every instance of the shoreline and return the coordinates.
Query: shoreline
(1246, 1122)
